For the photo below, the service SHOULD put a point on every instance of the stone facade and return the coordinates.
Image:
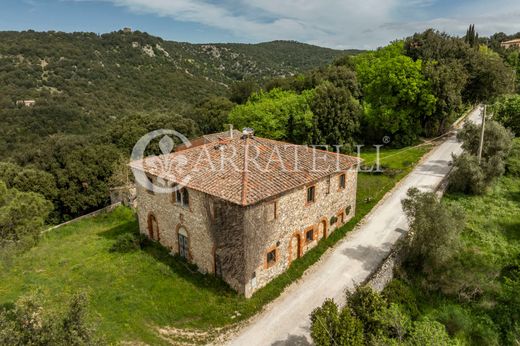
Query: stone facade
(233, 241)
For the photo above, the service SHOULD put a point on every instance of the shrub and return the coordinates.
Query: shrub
(329, 326)
(398, 292)
(467, 175)
(434, 230)
(366, 304)
(429, 333)
(128, 242)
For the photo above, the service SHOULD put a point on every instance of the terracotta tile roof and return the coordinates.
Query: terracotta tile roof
(516, 40)
(246, 170)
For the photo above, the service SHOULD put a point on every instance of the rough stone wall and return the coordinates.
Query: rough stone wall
(294, 217)
(170, 216)
(241, 236)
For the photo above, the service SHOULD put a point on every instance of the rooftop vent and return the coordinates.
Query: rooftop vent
(247, 132)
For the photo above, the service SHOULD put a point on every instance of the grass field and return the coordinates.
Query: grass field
(133, 294)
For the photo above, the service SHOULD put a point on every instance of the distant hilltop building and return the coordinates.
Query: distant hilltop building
(127, 30)
(511, 43)
(243, 223)
(26, 103)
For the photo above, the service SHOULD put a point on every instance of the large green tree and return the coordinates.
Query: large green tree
(397, 95)
(276, 114)
(336, 115)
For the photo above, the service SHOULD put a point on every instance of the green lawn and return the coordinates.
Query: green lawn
(133, 294)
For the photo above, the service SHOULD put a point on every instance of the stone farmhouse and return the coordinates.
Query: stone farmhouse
(511, 43)
(245, 207)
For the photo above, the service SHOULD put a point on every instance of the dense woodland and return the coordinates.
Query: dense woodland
(97, 94)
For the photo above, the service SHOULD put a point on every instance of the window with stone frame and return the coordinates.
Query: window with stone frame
(309, 235)
(149, 189)
(328, 185)
(311, 194)
(272, 211)
(181, 196)
(342, 181)
(271, 258)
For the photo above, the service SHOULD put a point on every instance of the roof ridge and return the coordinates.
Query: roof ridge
(244, 172)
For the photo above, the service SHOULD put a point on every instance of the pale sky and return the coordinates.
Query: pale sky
(330, 23)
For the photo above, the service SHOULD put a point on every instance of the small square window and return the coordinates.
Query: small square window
(311, 194)
(342, 181)
(271, 257)
(309, 235)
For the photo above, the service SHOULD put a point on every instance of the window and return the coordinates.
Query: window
(311, 194)
(271, 258)
(309, 236)
(342, 181)
(272, 210)
(328, 184)
(181, 196)
(149, 184)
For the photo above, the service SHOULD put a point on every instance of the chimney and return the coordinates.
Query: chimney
(231, 131)
(247, 132)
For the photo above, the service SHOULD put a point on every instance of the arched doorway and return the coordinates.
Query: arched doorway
(153, 227)
(295, 250)
(322, 229)
(184, 248)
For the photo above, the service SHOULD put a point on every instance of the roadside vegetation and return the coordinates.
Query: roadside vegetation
(458, 278)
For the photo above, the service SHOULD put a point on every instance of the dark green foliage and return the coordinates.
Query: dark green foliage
(366, 305)
(27, 323)
(398, 292)
(240, 91)
(22, 216)
(434, 231)
(336, 115)
(330, 327)
(128, 242)
(211, 115)
(471, 37)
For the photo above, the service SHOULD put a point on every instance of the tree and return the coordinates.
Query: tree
(467, 175)
(211, 115)
(240, 91)
(366, 305)
(447, 81)
(336, 115)
(471, 37)
(27, 323)
(497, 139)
(22, 216)
(396, 322)
(397, 95)
(506, 111)
(276, 114)
(434, 230)
(330, 327)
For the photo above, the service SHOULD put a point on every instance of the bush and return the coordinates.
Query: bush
(429, 333)
(398, 292)
(467, 176)
(366, 304)
(128, 242)
(330, 327)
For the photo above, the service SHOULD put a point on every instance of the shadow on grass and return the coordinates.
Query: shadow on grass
(178, 265)
(511, 230)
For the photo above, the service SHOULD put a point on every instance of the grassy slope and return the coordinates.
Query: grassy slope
(132, 293)
(491, 240)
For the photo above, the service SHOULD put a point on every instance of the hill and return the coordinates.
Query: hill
(136, 70)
